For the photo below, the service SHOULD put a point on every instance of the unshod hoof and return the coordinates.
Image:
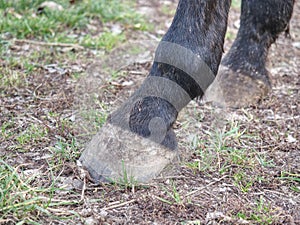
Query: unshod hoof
(235, 90)
(115, 154)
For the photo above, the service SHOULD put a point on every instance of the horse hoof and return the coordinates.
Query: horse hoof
(115, 155)
(236, 90)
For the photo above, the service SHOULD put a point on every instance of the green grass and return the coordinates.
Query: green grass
(23, 203)
(216, 153)
(293, 180)
(65, 151)
(93, 115)
(11, 78)
(31, 134)
(259, 213)
(20, 19)
(106, 40)
(221, 153)
(5, 129)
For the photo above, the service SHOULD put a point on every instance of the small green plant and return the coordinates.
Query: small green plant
(205, 162)
(94, 118)
(127, 182)
(295, 188)
(243, 181)
(11, 78)
(173, 194)
(68, 150)
(290, 176)
(263, 161)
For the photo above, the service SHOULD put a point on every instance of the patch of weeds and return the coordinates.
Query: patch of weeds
(64, 127)
(290, 176)
(260, 213)
(32, 134)
(221, 152)
(4, 46)
(174, 194)
(264, 161)
(23, 204)
(205, 161)
(295, 188)
(217, 153)
(117, 75)
(65, 151)
(238, 156)
(28, 62)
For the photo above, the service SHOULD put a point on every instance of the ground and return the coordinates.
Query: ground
(236, 166)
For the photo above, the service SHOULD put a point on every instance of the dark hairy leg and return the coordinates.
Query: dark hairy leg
(198, 27)
(243, 78)
(186, 63)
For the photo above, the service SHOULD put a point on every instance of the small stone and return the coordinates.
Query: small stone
(91, 221)
(50, 5)
(116, 29)
(296, 44)
(103, 213)
(127, 83)
(291, 139)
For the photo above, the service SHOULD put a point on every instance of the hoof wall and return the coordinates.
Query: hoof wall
(115, 154)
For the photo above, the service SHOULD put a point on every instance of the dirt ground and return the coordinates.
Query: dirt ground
(237, 166)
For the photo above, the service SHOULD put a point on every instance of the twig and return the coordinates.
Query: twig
(52, 44)
(83, 189)
(119, 205)
(202, 188)
(170, 177)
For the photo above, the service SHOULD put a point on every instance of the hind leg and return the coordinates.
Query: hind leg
(243, 78)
